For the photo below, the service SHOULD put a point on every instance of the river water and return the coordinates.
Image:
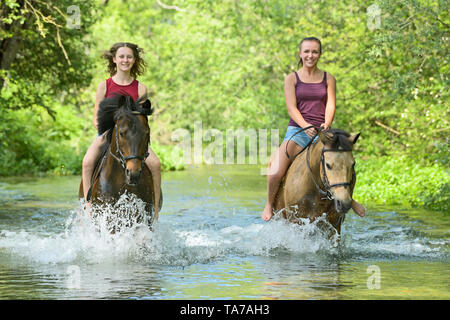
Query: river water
(210, 243)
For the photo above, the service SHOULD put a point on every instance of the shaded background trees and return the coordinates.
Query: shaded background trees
(44, 69)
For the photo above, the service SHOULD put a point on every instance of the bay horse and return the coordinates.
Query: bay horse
(320, 180)
(121, 168)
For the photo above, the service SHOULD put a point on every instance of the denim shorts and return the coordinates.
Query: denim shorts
(302, 139)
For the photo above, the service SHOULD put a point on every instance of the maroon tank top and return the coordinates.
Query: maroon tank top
(113, 88)
(311, 101)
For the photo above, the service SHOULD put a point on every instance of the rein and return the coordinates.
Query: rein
(325, 181)
(307, 145)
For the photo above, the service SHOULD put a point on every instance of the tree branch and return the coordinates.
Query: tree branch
(39, 15)
(443, 23)
(378, 123)
(165, 6)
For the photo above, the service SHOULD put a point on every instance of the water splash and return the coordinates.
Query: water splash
(86, 238)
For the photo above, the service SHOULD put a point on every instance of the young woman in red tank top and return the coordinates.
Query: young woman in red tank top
(124, 64)
(310, 95)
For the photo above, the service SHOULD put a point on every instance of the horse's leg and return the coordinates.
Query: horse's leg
(275, 174)
(89, 161)
(154, 165)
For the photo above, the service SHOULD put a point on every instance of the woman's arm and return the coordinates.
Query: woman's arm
(331, 102)
(142, 90)
(100, 95)
(291, 104)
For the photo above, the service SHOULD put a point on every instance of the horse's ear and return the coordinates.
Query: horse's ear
(147, 107)
(325, 136)
(354, 137)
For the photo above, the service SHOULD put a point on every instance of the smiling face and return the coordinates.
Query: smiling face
(310, 53)
(124, 59)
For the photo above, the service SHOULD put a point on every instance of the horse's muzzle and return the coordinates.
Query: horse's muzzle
(132, 177)
(342, 206)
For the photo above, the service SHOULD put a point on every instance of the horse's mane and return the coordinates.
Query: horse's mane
(340, 140)
(111, 109)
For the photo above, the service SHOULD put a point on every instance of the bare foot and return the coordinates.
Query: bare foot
(88, 208)
(267, 213)
(358, 208)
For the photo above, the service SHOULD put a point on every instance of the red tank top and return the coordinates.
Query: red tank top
(113, 88)
(311, 101)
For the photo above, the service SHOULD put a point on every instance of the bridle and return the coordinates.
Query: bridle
(121, 158)
(326, 183)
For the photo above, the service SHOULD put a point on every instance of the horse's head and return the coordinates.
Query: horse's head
(337, 167)
(131, 135)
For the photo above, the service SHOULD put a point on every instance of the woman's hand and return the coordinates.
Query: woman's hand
(324, 127)
(311, 131)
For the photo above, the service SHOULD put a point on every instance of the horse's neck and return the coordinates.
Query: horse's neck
(314, 157)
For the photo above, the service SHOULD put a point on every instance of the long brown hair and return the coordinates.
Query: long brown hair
(139, 63)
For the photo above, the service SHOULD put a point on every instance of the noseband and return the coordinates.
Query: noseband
(325, 181)
(121, 158)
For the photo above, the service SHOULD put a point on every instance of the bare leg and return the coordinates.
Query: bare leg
(89, 161)
(358, 208)
(154, 164)
(278, 168)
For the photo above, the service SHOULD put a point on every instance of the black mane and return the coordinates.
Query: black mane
(111, 109)
(340, 140)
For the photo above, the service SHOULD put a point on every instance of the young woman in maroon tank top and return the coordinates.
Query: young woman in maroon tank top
(124, 64)
(310, 95)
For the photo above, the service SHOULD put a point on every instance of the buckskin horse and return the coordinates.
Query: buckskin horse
(320, 180)
(121, 168)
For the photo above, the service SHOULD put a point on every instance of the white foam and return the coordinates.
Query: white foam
(87, 240)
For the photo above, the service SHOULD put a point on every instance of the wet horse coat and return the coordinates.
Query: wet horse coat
(320, 180)
(122, 166)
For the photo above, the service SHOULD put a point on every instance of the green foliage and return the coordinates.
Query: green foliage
(51, 47)
(402, 180)
(398, 94)
(224, 63)
(168, 156)
(33, 142)
(44, 68)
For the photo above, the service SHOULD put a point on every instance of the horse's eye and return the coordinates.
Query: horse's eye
(328, 166)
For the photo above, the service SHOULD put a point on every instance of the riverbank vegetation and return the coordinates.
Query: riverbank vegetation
(224, 63)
